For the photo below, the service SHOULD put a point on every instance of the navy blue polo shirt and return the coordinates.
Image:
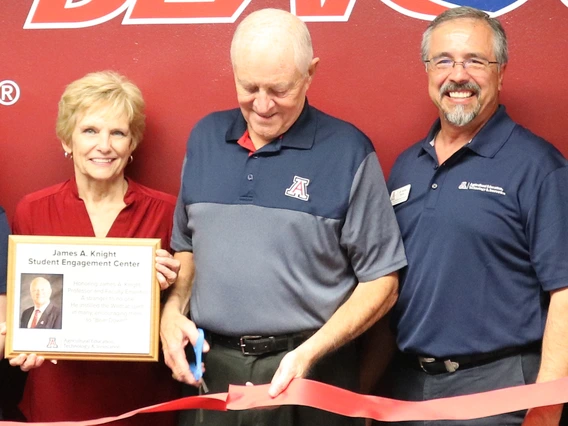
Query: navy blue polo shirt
(486, 236)
(281, 237)
(4, 232)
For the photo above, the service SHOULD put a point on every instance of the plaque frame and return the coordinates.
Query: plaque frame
(104, 290)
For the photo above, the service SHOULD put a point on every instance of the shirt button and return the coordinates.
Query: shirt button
(434, 185)
(250, 177)
(436, 167)
(255, 156)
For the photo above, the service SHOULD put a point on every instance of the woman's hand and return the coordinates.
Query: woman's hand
(167, 268)
(26, 362)
(2, 338)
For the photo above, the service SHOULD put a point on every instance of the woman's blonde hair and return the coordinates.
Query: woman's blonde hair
(105, 89)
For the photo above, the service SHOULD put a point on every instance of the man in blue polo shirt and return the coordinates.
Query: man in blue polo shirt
(288, 242)
(482, 207)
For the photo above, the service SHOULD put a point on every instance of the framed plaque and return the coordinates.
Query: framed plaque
(83, 298)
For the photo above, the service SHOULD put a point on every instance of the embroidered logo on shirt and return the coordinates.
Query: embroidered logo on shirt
(482, 187)
(299, 189)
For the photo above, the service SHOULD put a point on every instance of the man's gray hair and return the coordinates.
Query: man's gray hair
(280, 26)
(500, 48)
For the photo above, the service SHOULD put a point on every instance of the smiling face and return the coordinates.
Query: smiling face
(40, 290)
(101, 145)
(271, 91)
(464, 96)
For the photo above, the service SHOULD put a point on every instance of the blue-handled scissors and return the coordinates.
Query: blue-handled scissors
(195, 368)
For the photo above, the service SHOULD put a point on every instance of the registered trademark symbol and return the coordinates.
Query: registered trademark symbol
(9, 92)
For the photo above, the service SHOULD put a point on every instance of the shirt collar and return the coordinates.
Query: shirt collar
(300, 135)
(42, 308)
(129, 197)
(487, 142)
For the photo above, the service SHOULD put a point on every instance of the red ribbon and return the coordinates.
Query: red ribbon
(339, 401)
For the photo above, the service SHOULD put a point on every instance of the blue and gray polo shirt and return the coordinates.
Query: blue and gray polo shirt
(486, 236)
(281, 237)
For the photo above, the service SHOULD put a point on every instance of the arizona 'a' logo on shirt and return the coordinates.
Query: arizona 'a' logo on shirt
(299, 189)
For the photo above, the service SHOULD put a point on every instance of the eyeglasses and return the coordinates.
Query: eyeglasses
(470, 64)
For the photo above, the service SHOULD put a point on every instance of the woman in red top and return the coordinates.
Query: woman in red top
(100, 123)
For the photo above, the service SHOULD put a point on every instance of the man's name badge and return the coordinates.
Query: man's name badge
(400, 195)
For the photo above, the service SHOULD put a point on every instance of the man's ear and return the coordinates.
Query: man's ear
(502, 69)
(312, 70)
(313, 67)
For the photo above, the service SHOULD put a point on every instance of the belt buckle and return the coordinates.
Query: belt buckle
(425, 360)
(451, 366)
(243, 345)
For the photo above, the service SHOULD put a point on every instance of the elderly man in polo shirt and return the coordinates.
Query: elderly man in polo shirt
(288, 243)
(482, 207)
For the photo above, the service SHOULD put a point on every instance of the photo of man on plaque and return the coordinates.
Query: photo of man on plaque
(41, 301)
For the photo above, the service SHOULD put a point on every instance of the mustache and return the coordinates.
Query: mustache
(454, 87)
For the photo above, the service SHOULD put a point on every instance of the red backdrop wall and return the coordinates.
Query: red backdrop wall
(369, 74)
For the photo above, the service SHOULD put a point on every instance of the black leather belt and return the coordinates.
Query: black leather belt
(259, 345)
(451, 364)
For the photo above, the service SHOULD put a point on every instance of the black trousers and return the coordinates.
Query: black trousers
(411, 384)
(12, 382)
(226, 366)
